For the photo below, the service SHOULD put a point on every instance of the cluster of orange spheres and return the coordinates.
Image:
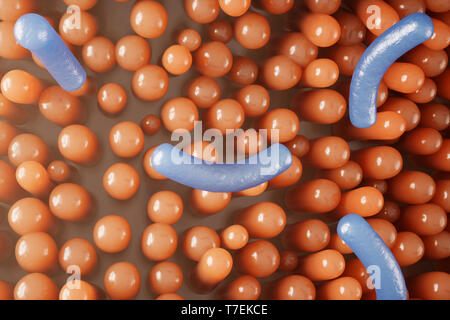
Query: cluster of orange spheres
(398, 178)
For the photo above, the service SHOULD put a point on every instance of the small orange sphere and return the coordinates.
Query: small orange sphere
(408, 248)
(122, 281)
(165, 207)
(234, 237)
(323, 265)
(150, 82)
(70, 202)
(220, 30)
(263, 220)
(252, 30)
(121, 181)
(35, 286)
(36, 252)
(328, 153)
(203, 91)
(78, 36)
(321, 29)
(30, 215)
(320, 73)
(112, 234)
(294, 287)
(179, 114)
(79, 144)
(159, 241)
(61, 107)
(177, 59)
(243, 288)
(259, 259)
(133, 52)
(99, 54)
(151, 124)
(165, 277)
(214, 266)
(34, 178)
(213, 59)
(280, 73)
(148, 19)
(234, 8)
(197, 240)
(307, 236)
(126, 139)
(202, 11)
(207, 203)
(112, 98)
(189, 38)
(78, 290)
(21, 87)
(78, 252)
(343, 288)
(226, 114)
(28, 147)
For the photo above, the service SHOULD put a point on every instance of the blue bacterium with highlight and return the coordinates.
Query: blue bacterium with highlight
(220, 177)
(34, 33)
(374, 254)
(378, 57)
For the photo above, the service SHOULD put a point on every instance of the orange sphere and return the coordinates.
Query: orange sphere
(78, 252)
(30, 215)
(150, 82)
(226, 114)
(208, 203)
(70, 202)
(263, 220)
(99, 54)
(61, 107)
(78, 36)
(36, 252)
(121, 181)
(21, 87)
(259, 259)
(177, 59)
(159, 242)
(213, 59)
(112, 234)
(126, 139)
(148, 19)
(133, 52)
(122, 281)
(179, 114)
(165, 207)
(112, 98)
(79, 144)
(234, 8)
(35, 286)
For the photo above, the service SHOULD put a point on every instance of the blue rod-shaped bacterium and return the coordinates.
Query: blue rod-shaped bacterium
(183, 168)
(374, 255)
(34, 33)
(377, 58)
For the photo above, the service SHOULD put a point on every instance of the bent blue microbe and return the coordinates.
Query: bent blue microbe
(34, 33)
(374, 253)
(217, 177)
(377, 58)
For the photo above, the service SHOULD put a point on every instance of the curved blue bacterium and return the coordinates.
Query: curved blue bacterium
(374, 255)
(34, 33)
(183, 168)
(378, 57)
